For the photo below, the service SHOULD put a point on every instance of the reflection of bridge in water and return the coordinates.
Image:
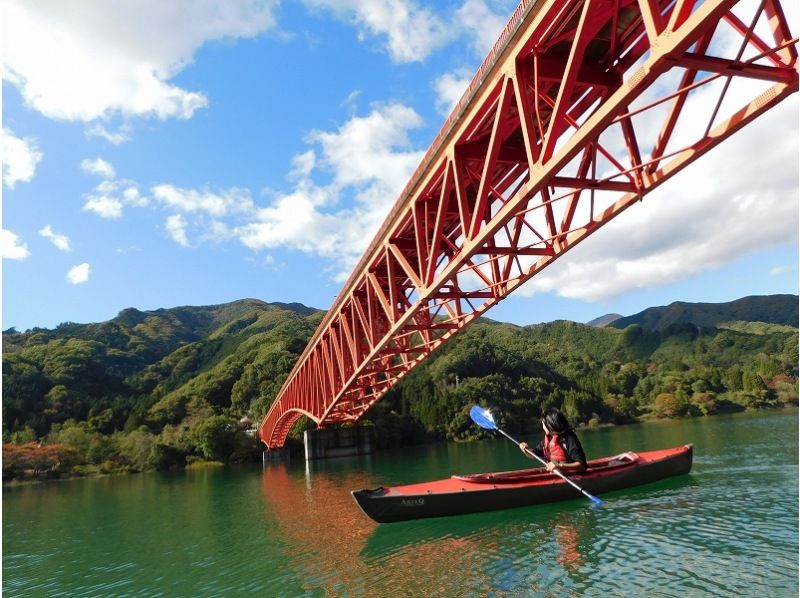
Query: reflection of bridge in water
(581, 108)
(349, 554)
(327, 552)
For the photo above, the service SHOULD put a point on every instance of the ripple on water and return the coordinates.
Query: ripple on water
(729, 528)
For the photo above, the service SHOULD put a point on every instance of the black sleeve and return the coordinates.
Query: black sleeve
(539, 450)
(573, 448)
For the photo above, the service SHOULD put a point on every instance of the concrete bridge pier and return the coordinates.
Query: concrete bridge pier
(274, 456)
(325, 443)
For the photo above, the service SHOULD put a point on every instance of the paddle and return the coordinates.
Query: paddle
(483, 417)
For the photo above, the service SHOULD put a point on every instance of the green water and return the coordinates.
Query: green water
(730, 528)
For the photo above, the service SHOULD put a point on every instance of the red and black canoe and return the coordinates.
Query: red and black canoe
(461, 494)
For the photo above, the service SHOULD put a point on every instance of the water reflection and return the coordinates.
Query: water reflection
(325, 535)
(335, 548)
(730, 528)
(569, 554)
(642, 539)
(320, 525)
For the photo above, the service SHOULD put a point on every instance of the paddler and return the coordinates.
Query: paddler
(560, 446)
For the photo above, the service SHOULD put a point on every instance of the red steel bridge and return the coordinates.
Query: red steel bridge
(581, 108)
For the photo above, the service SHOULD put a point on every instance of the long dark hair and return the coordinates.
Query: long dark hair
(555, 421)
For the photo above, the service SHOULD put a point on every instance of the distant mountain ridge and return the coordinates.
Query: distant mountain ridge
(605, 320)
(770, 309)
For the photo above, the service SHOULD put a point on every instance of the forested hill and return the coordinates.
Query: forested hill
(772, 309)
(155, 388)
(152, 367)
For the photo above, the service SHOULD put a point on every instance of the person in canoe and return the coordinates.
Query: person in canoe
(560, 446)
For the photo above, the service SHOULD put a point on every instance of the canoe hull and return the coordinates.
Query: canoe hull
(458, 496)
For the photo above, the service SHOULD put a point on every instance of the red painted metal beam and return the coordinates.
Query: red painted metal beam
(546, 146)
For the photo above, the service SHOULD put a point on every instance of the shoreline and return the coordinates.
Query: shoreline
(197, 465)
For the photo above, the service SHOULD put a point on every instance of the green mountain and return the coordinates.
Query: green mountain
(605, 320)
(144, 368)
(771, 309)
(157, 388)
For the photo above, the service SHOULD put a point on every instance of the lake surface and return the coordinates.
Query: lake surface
(730, 528)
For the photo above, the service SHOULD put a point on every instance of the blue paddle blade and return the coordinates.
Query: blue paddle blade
(482, 417)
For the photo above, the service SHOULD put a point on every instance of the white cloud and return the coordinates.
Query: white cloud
(99, 167)
(303, 164)
(293, 222)
(481, 23)
(110, 196)
(60, 241)
(176, 227)
(779, 270)
(731, 202)
(20, 157)
(12, 247)
(117, 137)
(132, 197)
(411, 32)
(234, 200)
(216, 231)
(449, 88)
(79, 274)
(373, 149)
(351, 101)
(370, 159)
(104, 206)
(86, 60)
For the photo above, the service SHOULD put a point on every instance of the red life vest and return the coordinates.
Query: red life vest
(552, 450)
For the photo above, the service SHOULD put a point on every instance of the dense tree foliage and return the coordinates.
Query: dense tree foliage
(771, 309)
(152, 389)
(160, 389)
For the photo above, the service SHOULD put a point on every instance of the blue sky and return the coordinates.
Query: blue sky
(195, 152)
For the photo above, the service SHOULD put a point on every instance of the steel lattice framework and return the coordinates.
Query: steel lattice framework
(581, 108)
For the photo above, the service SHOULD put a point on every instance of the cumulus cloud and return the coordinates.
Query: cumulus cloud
(79, 274)
(369, 159)
(214, 204)
(176, 228)
(111, 195)
(60, 241)
(481, 24)
(12, 246)
(411, 32)
(20, 157)
(104, 206)
(85, 60)
(449, 88)
(99, 167)
(303, 164)
(133, 197)
(373, 148)
(117, 137)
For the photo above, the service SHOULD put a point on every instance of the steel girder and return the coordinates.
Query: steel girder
(580, 110)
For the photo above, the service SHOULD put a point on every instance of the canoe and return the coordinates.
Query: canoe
(473, 493)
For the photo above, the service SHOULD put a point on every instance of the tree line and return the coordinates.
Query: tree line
(156, 390)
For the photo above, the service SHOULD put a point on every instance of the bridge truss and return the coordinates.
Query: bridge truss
(581, 108)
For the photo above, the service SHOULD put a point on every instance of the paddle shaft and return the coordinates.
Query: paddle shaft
(555, 471)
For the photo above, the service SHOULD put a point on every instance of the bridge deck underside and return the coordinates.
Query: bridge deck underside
(580, 110)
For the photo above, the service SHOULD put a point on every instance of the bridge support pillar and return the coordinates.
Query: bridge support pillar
(274, 456)
(325, 443)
